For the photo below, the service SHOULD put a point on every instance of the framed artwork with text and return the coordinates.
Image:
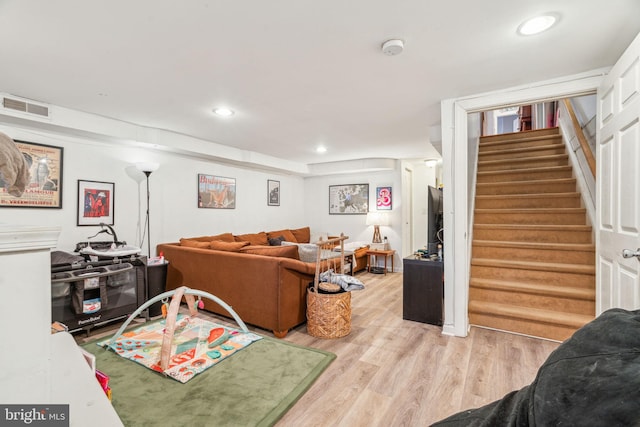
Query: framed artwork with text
(44, 186)
(383, 198)
(216, 192)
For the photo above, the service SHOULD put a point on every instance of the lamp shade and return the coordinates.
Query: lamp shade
(377, 218)
(147, 166)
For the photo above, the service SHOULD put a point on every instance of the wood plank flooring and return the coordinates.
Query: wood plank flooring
(394, 372)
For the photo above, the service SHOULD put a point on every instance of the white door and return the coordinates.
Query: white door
(618, 184)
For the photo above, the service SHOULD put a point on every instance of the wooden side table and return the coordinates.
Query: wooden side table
(376, 253)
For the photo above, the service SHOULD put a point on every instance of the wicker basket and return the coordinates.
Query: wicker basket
(328, 315)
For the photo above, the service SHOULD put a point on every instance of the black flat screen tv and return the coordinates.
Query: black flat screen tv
(434, 218)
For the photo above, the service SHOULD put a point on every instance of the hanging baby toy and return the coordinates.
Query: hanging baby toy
(165, 307)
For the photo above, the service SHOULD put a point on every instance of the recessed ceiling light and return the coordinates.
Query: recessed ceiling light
(223, 112)
(537, 25)
(321, 149)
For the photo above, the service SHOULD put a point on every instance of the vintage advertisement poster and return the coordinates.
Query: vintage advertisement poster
(216, 192)
(45, 185)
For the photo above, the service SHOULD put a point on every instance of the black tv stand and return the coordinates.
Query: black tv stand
(423, 290)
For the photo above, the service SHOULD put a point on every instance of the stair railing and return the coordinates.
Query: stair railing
(584, 145)
(581, 156)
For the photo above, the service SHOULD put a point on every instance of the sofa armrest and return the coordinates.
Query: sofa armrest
(304, 268)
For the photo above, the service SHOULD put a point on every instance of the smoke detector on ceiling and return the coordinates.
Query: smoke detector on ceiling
(393, 47)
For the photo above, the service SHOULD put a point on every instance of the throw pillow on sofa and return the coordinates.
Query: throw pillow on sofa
(302, 235)
(224, 237)
(253, 238)
(191, 243)
(227, 246)
(287, 234)
(276, 241)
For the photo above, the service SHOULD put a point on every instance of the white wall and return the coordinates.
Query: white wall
(26, 313)
(174, 211)
(316, 207)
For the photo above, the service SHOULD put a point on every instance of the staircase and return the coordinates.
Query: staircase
(533, 260)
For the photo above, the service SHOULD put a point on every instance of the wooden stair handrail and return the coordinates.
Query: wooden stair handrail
(586, 149)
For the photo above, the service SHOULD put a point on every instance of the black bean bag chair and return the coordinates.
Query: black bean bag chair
(592, 379)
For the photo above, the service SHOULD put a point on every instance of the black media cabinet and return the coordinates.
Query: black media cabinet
(423, 290)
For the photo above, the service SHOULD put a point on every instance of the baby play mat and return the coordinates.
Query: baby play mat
(255, 387)
(197, 345)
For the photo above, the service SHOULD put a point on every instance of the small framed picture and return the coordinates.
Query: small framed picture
(383, 198)
(273, 193)
(95, 202)
(216, 192)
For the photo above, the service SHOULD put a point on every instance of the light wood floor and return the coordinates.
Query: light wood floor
(394, 372)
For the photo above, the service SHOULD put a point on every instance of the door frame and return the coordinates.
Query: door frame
(455, 153)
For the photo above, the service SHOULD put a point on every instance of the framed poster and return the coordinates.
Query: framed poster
(383, 198)
(273, 193)
(216, 192)
(95, 202)
(349, 199)
(44, 189)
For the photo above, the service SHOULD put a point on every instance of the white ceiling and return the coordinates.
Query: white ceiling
(299, 73)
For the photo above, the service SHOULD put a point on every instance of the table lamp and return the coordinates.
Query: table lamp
(377, 219)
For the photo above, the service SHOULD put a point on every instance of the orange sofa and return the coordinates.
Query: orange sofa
(266, 285)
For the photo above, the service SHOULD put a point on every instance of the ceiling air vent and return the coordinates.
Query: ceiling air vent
(25, 107)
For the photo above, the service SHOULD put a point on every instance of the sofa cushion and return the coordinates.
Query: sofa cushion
(227, 246)
(253, 238)
(276, 251)
(302, 235)
(193, 243)
(224, 237)
(287, 234)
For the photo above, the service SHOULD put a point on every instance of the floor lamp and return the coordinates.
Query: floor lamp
(147, 168)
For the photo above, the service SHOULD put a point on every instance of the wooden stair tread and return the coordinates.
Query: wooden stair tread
(538, 245)
(534, 288)
(521, 183)
(523, 160)
(532, 314)
(526, 170)
(546, 227)
(531, 210)
(490, 140)
(527, 195)
(519, 150)
(535, 265)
